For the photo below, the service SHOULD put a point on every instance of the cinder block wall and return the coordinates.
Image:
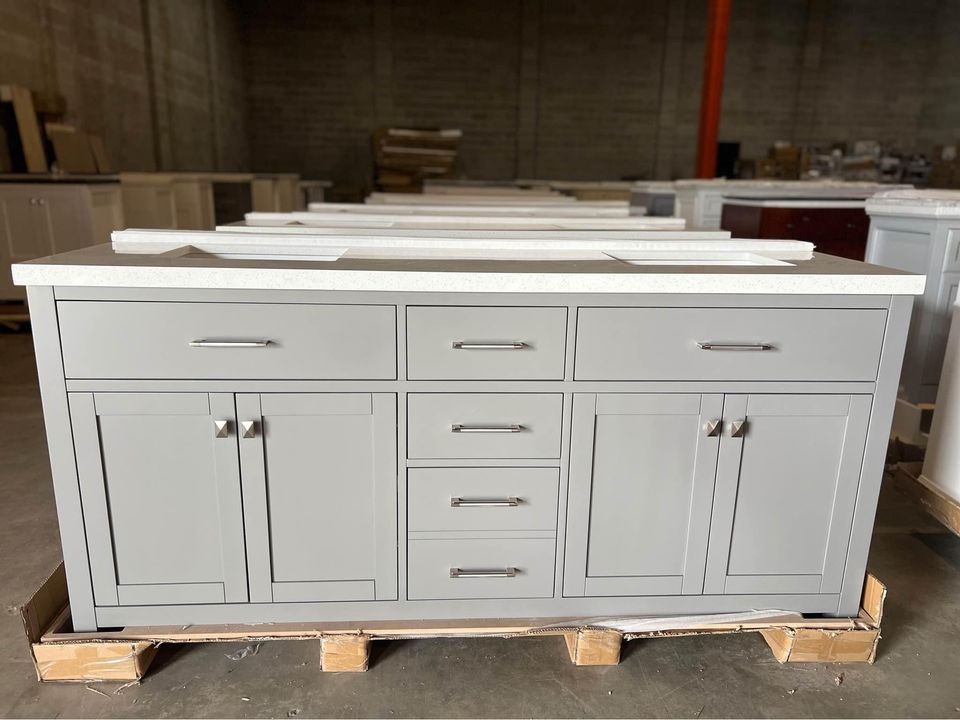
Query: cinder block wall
(160, 80)
(599, 89)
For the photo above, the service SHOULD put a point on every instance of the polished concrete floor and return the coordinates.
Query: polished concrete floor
(917, 673)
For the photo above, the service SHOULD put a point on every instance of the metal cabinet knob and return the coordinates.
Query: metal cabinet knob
(712, 427)
(738, 428)
(221, 428)
(248, 429)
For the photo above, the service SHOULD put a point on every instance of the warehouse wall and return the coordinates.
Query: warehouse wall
(609, 88)
(160, 80)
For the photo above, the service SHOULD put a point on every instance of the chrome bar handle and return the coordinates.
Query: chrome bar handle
(734, 346)
(507, 572)
(228, 343)
(458, 502)
(248, 429)
(464, 345)
(738, 428)
(221, 428)
(712, 427)
(458, 428)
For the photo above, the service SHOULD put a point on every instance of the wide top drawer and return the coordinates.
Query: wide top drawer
(797, 344)
(164, 340)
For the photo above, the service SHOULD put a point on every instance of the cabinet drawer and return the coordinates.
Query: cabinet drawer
(774, 344)
(478, 568)
(484, 425)
(455, 499)
(227, 340)
(486, 343)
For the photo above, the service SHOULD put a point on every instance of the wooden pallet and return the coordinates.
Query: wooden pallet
(125, 655)
(909, 479)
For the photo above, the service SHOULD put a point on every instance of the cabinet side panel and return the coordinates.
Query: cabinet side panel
(56, 417)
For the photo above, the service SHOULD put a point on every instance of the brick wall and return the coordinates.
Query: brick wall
(160, 80)
(599, 89)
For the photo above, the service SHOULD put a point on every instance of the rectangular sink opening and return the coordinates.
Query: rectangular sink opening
(695, 257)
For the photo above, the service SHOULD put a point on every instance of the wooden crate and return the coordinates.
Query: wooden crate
(910, 480)
(60, 655)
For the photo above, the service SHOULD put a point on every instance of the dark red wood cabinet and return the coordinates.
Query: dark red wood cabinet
(840, 230)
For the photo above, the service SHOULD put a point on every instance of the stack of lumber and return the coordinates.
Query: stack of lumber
(405, 157)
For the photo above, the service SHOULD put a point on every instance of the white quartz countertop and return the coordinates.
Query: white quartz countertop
(478, 219)
(923, 203)
(174, 259)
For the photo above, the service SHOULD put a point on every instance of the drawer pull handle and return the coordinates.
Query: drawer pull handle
(484, 502)
(221, 428)
(228, 343)
(507, 572)
(486, 428)
(464, 345)
(248, 429)
(734, 346)
(738, 428)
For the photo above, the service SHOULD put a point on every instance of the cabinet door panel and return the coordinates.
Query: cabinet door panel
(320, 495)
(641, 483)
(66, 219)
(785, 493)
(144, 457)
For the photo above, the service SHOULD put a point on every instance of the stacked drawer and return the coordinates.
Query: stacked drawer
(483, 531)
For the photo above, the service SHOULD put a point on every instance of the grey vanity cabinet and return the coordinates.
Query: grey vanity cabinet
(642, 469)
(772, 479)
(160, 483)
(787, 482)
(320, 495)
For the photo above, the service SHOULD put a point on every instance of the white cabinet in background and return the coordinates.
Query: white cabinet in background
(919, 231)
(43, 218)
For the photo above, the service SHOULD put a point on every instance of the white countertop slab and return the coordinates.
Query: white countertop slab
(464, 222)
(810, 203)
(921, 203)
(546, 236)
(446, 267)
(614, 209)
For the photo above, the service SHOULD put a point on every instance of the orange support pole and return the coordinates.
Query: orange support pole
(718, 21)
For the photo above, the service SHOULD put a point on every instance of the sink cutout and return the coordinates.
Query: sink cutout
(694, 257)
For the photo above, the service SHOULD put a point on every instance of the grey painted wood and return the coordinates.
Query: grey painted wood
(63, 468)
(430, 562)
(641, 482)
(128, 478)
(661, 344)
(432, 417)
(785, 492)
(152, 340)
(320, 493)
(874, 457)
(432, 332)
(431, 493)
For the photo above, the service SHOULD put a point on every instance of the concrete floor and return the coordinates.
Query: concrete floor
(917, 673)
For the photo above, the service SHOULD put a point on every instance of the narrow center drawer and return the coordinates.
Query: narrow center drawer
(480, 568)
(729, 344)
(119, 340)
(455, 499)
(484, 425)
(486, 343)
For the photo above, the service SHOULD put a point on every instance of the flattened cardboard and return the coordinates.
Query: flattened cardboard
(125, 655)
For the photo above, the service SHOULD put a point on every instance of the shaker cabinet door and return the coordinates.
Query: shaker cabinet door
(786, 488)
(320, 495)
(160, 484)
(642, 468)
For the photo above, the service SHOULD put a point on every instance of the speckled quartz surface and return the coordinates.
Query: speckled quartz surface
(925, 203)
(171, 259)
